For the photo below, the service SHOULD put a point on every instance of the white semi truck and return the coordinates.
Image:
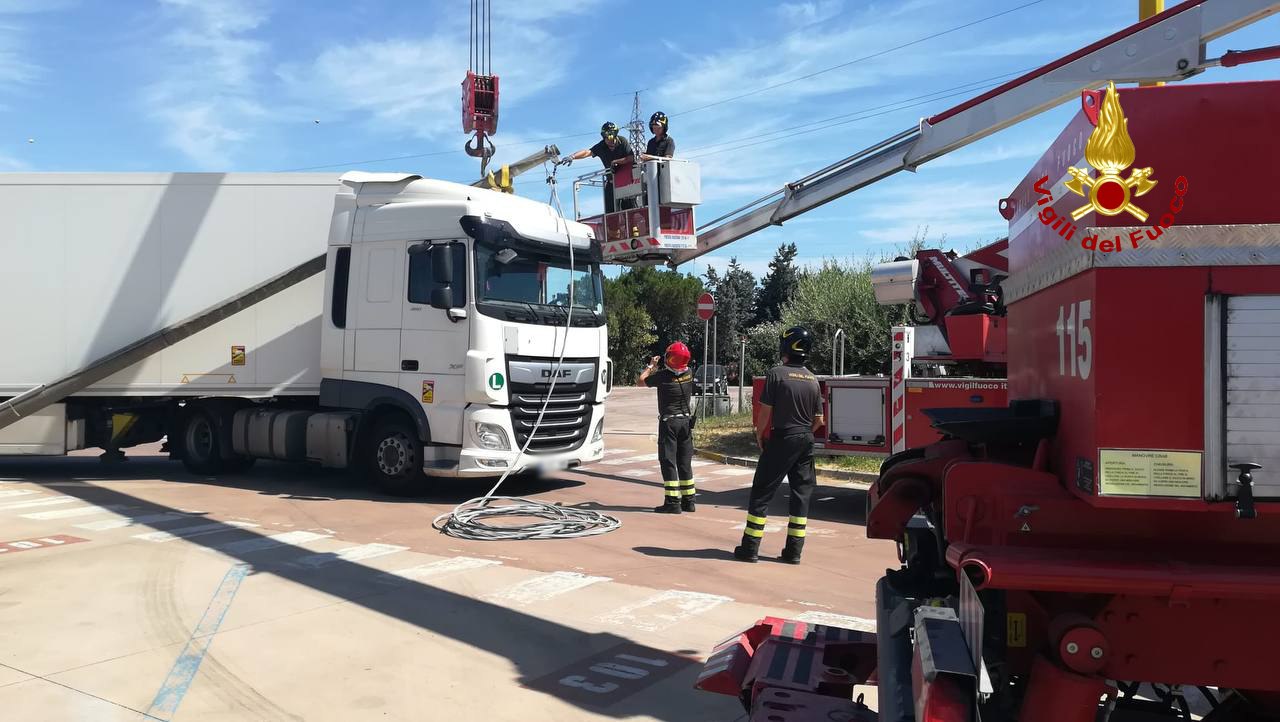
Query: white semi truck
(385, 322)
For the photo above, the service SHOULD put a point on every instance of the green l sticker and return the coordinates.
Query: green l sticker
(496, 381)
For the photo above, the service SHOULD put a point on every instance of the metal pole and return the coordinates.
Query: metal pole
(715, 354)
(706, 331)
(1147, 8)
(742, 370)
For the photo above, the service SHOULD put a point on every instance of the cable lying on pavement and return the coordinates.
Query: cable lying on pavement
(468, 520)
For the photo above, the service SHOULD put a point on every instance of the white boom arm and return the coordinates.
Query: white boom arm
(1167, 47)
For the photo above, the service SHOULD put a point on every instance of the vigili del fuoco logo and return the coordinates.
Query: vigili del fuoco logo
(1110, 151)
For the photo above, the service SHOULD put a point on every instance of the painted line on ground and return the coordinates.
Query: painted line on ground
(838, 620)
(188, 532)
(542, 587)
(351, 554)
(663, 610)
(39, 502)
(733, 471)
(175, 685)
(17, 492)
(442, 567)
(263, 543)
(72, 513)
(109, 524)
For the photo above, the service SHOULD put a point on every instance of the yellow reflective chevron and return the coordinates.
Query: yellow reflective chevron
(757, 519)
(799, 520)
(758, 533)
(795, 532)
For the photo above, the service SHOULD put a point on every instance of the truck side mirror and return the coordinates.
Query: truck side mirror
(441, 266)
(442, 297)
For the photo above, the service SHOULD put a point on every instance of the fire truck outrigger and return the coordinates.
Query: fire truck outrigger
(1118, 524)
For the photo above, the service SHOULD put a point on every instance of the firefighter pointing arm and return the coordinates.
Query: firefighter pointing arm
(674, 382)
(791, 410)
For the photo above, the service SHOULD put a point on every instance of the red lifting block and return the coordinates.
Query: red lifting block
(480, 103)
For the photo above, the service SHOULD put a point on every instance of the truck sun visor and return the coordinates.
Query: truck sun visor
(493, 229)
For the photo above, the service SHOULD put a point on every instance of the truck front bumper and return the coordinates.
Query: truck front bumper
(476, 461)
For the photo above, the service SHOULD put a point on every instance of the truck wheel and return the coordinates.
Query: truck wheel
(201, 450)
(394, 458)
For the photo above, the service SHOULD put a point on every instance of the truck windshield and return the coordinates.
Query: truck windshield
(519, 283)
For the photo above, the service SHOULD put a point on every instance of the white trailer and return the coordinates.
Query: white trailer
(382, 321)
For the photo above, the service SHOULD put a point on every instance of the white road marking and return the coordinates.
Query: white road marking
(442, 567)
(639, 472)
(663, 610)
(40, 502)
(838, 620)
(17, 492)
(188, 532)
(701, 462)
(734, 471)
(542, 588)
(248, 546)
(108, 524)
(70, 513)
(615, 452)
(352, 554)
(630, 460)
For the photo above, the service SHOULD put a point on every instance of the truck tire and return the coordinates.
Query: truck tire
(202, 446)
(393, 458)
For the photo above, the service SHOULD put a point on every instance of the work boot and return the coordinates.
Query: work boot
(670, 506)
(748, 550)
(791, 552)
(687, 504)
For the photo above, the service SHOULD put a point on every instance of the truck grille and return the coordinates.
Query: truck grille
(564, 425)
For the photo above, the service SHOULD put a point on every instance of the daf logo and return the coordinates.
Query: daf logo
(561, 374)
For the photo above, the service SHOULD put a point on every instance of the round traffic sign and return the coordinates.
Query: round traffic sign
(706, 307)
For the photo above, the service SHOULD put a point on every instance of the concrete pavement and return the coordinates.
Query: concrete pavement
(140, 591)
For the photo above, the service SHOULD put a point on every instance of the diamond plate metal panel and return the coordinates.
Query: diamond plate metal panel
(1219, 245)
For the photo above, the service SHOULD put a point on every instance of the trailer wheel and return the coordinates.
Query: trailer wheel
(202, 446)
(201, 450)
(393, 458)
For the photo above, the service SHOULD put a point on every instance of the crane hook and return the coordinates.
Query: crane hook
(483, 149)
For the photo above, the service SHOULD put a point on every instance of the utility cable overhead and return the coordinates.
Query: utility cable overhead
(864, 58)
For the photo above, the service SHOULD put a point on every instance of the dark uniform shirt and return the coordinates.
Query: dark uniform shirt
(674, 391)
(608, 155)
(796, 399)
(665, 148)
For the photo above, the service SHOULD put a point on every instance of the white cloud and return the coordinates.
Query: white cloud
(808, 13)
(411, 84)
(16, 67)
(206, 98)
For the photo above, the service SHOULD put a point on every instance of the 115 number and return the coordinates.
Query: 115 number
(1072, 324)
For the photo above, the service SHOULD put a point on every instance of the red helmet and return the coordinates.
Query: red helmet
(677, 356)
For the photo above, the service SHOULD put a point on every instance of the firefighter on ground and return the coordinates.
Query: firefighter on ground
(612, 150)
(661, 145)
(791, 409)
(674, 382)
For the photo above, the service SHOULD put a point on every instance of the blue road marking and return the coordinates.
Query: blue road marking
(183, 672)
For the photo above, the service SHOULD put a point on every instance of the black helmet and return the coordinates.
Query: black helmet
(796, 343)
(659, 117)
(608, 129)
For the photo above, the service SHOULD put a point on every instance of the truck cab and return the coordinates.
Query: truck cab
(451, 304)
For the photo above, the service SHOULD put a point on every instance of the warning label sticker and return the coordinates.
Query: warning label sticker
(1149, 472)
(428, 392)
(237, 355)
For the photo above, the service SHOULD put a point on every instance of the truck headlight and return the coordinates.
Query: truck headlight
(598, 434)
(492, 436)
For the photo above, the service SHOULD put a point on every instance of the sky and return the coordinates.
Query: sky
(275, 85)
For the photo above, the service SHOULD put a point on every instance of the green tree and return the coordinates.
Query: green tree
(630, 335)
(734, 293)
(778, 285)
(668, 300)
